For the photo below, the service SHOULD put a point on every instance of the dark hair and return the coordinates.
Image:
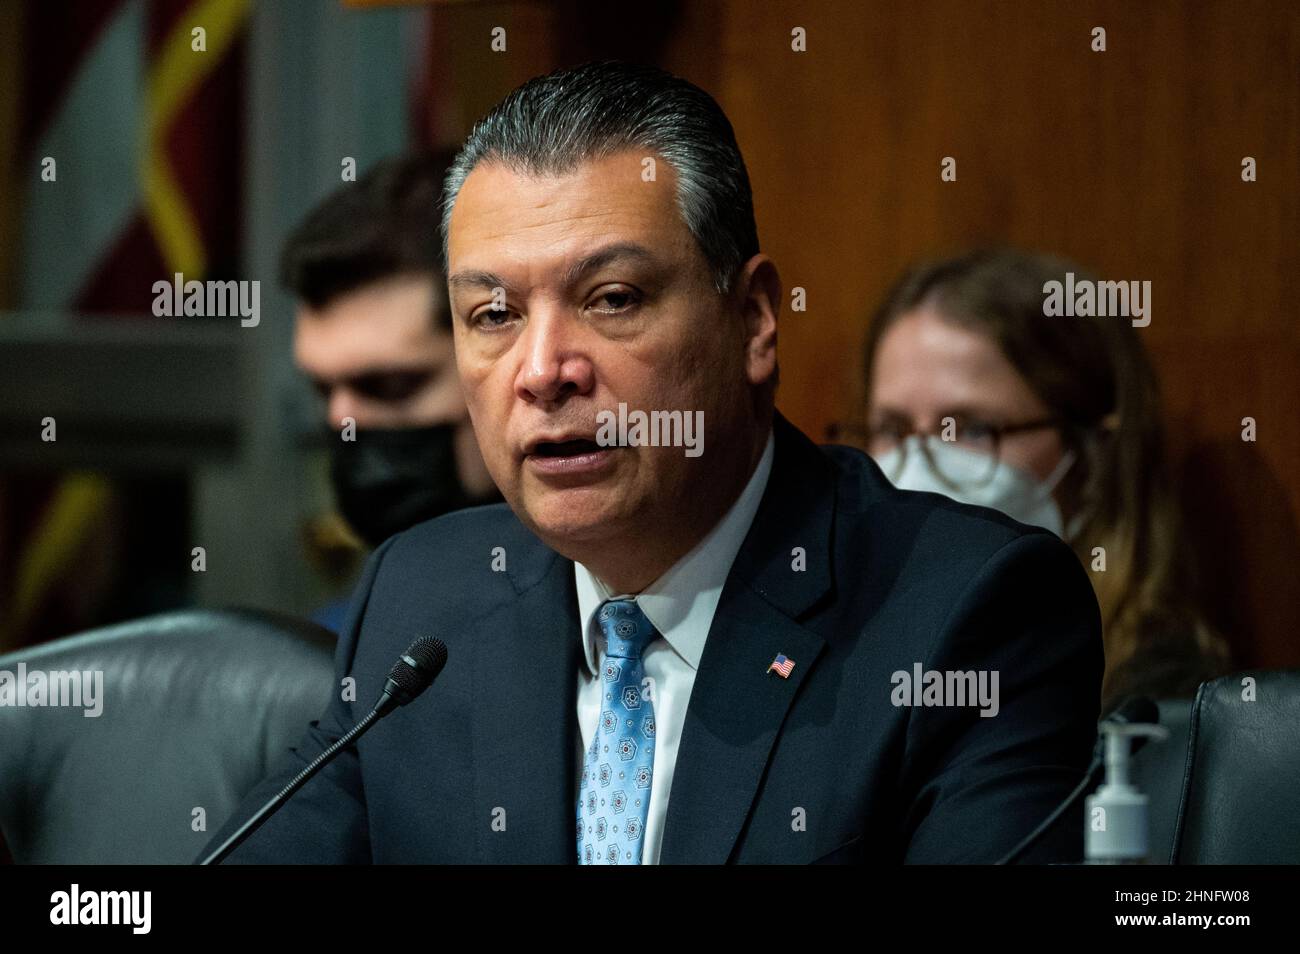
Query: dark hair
(382, 226)
(1094, 374)
(553, 123)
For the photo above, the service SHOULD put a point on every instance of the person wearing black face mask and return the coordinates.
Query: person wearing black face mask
(388, 479)
(373, 335)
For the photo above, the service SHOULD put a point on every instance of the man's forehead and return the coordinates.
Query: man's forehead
(503, 216)
(386, 323)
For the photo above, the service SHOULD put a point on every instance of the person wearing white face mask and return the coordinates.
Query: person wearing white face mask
(972, 392)
(971, 476)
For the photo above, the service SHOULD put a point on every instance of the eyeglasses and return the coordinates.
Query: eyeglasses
(982, 440)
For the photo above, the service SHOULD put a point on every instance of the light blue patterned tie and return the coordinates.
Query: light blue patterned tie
(615, 793)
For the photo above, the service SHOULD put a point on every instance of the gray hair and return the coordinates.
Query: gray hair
(553, 123)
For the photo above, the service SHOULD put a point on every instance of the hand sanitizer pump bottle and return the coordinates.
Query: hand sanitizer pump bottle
(1115, 823)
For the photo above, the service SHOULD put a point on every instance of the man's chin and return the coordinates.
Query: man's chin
(572, 518)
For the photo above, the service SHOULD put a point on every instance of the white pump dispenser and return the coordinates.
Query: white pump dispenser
(1115, 823)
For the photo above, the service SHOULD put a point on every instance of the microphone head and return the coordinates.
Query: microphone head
(1135, 710)
(416, 668)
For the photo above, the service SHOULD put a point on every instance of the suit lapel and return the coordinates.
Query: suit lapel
(737, 708)
(735, 713)
(526, 655)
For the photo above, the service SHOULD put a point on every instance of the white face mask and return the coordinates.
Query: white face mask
(1011, 490)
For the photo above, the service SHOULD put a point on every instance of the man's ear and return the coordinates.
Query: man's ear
(758, 287)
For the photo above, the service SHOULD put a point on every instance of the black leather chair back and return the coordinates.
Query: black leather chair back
(198, 706)
(1241, 795)
(1158, 769)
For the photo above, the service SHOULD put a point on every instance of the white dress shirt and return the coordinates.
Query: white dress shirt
(680, 605)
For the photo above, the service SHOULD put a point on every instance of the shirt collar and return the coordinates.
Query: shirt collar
(680, 604)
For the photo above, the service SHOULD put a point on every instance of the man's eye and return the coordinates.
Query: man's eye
(392, 387)
(491, 318)
(613, 302)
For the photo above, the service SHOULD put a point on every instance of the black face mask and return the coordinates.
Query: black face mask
(390, 479)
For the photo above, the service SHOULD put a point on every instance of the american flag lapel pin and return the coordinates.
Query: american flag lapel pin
(781, 665)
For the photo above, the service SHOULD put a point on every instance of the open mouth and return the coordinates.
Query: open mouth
(566, 448)
(579, 459)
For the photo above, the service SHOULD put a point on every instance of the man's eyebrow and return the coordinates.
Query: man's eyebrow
(607, 256)
(477, 278)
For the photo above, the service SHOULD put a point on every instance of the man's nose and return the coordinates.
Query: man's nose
(342, 405)
(555, 363)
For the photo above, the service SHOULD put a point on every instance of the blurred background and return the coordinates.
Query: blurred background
(177, 433)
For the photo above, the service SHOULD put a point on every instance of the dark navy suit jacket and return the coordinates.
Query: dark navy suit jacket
(820, 766)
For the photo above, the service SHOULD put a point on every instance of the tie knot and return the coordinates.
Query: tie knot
(627, 631)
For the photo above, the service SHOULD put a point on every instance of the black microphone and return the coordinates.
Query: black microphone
(413, 672)
(1133, 710)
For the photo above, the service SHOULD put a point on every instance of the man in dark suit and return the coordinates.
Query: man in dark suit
(690, 635)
